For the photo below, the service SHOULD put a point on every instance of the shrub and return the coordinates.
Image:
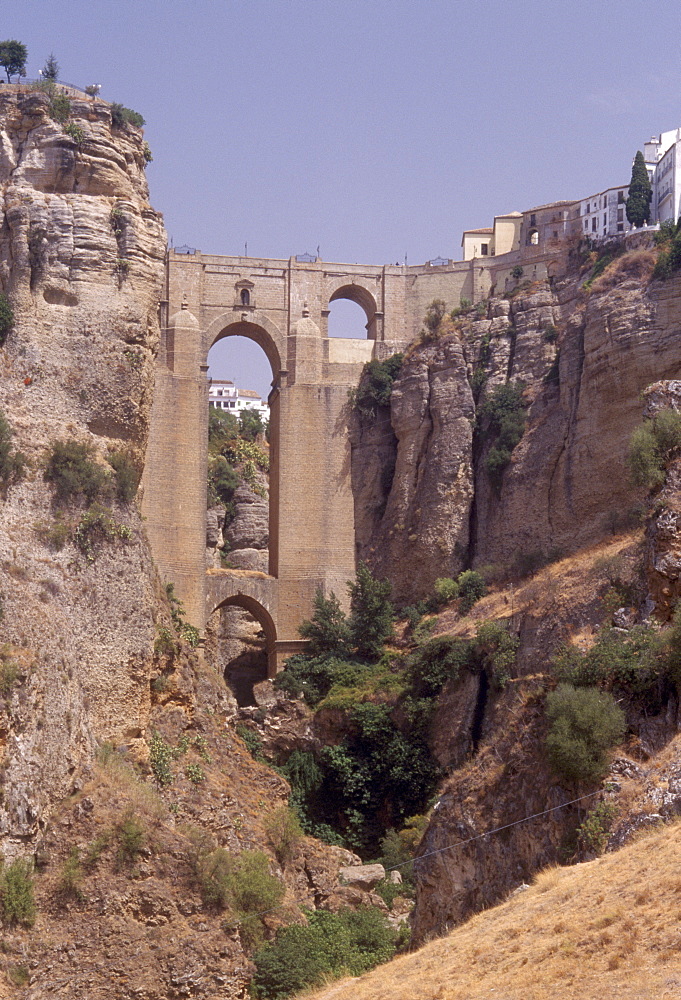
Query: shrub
(74, 473)
(75, 132)
(314, 676)
(504, 411)
(121, 116)
(18, 975)
(6, 317)
(446, 590)
(584, 724)
(70, 877)
(471, 588)
(495, 650)
(241, 883)
(375, 384)
(16, 892)
(436, 662)
(517, 272)
(330, 945)
(550, 334)
(127, 474)
(371, 614)
(635, 662)
(592, 834)
(97, 526)
(131, 837)
(652, 444)
(59, 108)
(434, 315)
(12, 463)
(283, 832)
(9, 675)
(328, 631)
(252, 741)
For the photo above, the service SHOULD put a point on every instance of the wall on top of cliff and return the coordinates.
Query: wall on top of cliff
(81, 260)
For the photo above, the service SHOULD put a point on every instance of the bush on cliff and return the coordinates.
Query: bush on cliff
(328, 946)
(371, 614)
(327, 631)
(584, 724)
(652, 444)
(12, 463)
(375, 384)
(6, 317)
(504, 411)
(74, 473)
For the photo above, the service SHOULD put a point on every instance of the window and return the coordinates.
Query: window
(555, 234)
(605, 220)
(588, 207)
(484, 249)
(594, 223)
(620, 197)
(586, 223)
(245, 297)
(533, 220)
(620, 227)
(620, 215)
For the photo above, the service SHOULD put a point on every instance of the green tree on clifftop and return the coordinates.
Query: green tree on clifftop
(13, 56)
(640, 193)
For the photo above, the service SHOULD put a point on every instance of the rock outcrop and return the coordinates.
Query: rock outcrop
(425, 505)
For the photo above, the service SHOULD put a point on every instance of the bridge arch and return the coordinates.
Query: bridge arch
(254, 326)
(364, 298)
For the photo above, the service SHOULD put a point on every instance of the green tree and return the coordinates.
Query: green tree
(371, 613)
(585, 723)
(50, 70)
(640, 193)
(13, 56)
(250, 424)
(328, 630)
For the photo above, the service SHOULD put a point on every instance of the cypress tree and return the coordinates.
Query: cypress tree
(640, 193)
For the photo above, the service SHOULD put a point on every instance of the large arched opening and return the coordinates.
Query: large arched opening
(352, 313)
(244, 369)
(239, 640)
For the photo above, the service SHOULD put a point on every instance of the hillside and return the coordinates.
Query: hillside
(605, 928)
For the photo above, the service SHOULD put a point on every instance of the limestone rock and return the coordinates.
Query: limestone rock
(253, 559)
(362, 876)
(250, 527)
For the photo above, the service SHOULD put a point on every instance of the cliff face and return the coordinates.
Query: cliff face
(566, 485)
(82, 262)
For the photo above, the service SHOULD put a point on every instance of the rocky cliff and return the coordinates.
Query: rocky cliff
(425, 504)
(82, 263)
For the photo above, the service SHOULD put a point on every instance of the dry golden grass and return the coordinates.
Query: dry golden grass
(609, 928)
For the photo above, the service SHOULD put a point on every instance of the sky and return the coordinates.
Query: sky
(376, 130)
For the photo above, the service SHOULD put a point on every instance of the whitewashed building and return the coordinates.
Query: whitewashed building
(663, 161)
(604, 214)
(224, 395)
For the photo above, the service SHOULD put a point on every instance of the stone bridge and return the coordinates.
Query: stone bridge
(282, 305)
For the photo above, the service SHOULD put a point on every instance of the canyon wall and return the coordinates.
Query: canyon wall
(425, 505)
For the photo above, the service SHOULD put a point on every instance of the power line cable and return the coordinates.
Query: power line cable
(449, 847)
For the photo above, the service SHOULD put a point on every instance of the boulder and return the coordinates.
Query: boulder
(362, 876)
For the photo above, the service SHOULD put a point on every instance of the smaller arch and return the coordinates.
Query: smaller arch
(263, 617)
(363, 298)
(533, 237)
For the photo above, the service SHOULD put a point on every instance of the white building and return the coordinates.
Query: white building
(225, 396)
(663, 160)
(604, 214)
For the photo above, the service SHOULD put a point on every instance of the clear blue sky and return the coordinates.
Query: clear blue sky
(369, 128)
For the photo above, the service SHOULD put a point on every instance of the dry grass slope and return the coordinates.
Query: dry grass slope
(609, 928)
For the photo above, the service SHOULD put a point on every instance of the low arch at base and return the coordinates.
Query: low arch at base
(264, 618)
